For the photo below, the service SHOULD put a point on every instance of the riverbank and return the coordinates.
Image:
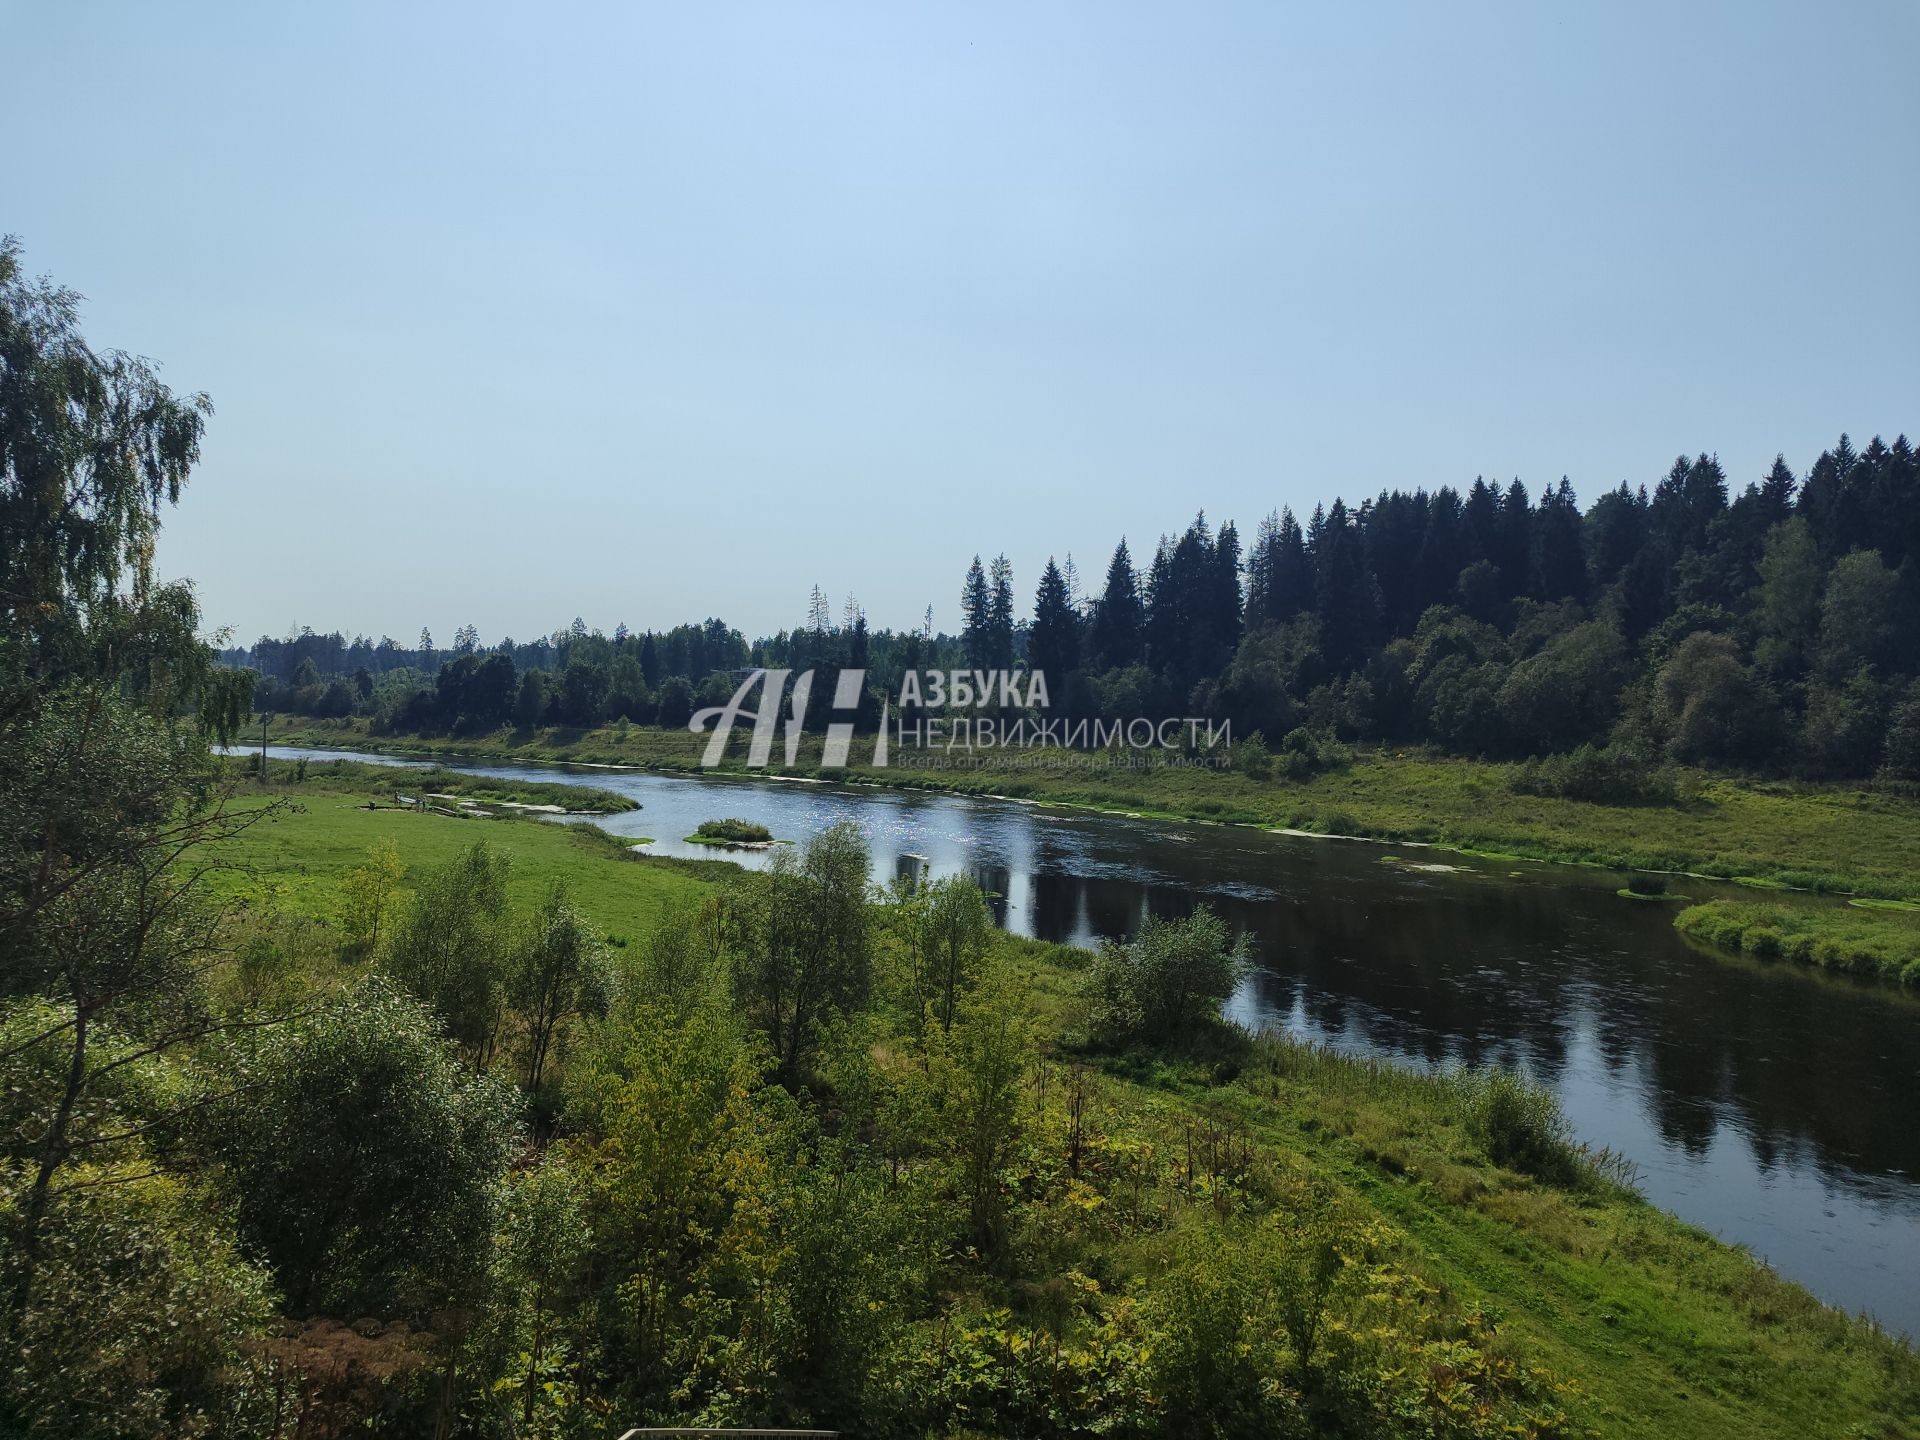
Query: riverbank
(1644, 1325)
(1884, 943)
(1767, 833)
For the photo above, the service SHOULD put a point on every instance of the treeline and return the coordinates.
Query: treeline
(1777, 629)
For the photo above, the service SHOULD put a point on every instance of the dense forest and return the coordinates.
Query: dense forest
(1772, 630)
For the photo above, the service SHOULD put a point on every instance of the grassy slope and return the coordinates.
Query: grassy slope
(1664, 1330)
(1824, 837)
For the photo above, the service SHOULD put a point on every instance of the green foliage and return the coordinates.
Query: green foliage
(360, 1157)
(979, 1064)
(143, 1311)
(368, 896)
(731, 832)
(1305, 753)
(1169, 981)
(1885, 943)
(1521, 1126)
(1608, 775)
(451, 948)
(557, 972)
(952, 929)
(802, 947)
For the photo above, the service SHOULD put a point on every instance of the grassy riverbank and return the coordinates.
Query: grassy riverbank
(1635, 1323)
(1826, 838)
(292, 865)
(1864, 941)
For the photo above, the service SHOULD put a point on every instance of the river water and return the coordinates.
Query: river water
(1767, 1103)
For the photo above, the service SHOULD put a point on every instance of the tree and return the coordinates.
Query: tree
(954, 930)
(805, 951)
(976, 613)
(1902, 750)
(1709, 705)
(982, 1062)
(451, 948)
(370, 888)
(92, 447)
(1119, 638)
(361, 1159)
(583, 693)
(108, 812)
(530, 706)
(1787, 604)
(542, 1251)
(675, 706)
(1568, 693)
(1346, 597)
(557, 972)
(1000, 615)
(1053, 644)
(1861, 617)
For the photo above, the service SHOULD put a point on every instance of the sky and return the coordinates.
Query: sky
(644, 313)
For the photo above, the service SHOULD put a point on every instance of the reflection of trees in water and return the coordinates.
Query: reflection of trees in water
(1461, 969)
(996, 883)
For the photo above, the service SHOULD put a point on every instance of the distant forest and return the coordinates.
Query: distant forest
(1776, 629)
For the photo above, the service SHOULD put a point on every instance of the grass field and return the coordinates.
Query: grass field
(1827, 838)
(292, 862)
(1658, 1328)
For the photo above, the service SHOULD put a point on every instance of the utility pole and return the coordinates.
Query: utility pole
(263, 747)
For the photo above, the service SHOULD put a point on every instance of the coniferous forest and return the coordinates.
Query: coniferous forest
(1772, 627)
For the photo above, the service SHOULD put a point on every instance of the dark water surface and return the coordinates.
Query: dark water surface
(1771, 1105)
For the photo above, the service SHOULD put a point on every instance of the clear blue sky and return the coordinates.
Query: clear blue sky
(643, 313)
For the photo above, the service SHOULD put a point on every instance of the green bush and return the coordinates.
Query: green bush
(1611, 775)
(1172, 979)
(732, 832)
(1520, 1124)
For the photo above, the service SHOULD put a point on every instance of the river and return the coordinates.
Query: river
(1767, 1103)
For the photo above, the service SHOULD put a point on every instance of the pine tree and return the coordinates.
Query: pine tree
(1777, 490)
(1559, 568)
(1292, 570)
(976, 616)
(1347, 598)
(1000, 627)
(1119, 623)
(1223, 607)
(1260, 559)
(1053, 644)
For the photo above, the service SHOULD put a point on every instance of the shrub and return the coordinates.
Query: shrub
(1612, 775)
(1305, 753)
(1647, 884)
(733, 832)
(1173, 978)
(1520, 1124)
